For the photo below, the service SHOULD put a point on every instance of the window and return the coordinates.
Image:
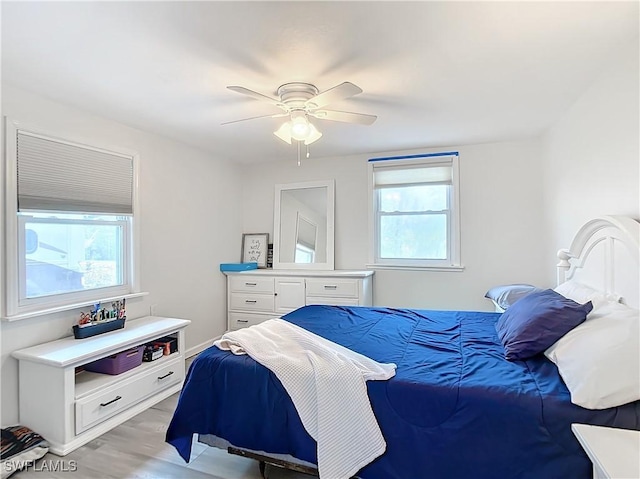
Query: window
(415, 211)
(70, 224)
(71, 252)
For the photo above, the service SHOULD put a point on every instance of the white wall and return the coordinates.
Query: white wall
(592, 153)
(501, 219)
(188, 225)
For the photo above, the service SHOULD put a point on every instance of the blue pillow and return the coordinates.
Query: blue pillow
(505, 295)
(536, 321)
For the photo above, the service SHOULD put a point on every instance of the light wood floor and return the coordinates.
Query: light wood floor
(136, 450)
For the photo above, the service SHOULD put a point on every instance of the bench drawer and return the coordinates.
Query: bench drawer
(98, 407)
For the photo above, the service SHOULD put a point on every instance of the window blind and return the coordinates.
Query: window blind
(396, 175)
(60, 176)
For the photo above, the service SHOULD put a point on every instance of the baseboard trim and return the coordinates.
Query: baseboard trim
(197, 349)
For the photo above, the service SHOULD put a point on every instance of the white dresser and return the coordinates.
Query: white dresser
(69, 406)
(257, 295)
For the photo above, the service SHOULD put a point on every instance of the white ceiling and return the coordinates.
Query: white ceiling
(435, 73)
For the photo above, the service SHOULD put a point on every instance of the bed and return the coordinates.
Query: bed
(455, 408)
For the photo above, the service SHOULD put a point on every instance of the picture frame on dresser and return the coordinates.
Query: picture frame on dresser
(255, 248)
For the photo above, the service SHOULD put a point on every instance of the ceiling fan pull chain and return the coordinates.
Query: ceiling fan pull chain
(307, 151)
(298, 152)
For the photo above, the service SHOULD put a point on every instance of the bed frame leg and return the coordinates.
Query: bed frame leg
(262, 465)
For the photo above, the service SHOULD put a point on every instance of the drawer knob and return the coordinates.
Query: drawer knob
(330, 286)
(117, 398)
(251, 284)
(165, 376)
(243, 320)
(251, 301)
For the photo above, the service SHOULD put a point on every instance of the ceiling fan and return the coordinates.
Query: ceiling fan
(299, 101)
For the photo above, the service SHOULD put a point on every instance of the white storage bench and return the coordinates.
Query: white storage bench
(69, 406)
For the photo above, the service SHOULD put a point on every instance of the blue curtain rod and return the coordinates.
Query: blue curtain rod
(409, 157)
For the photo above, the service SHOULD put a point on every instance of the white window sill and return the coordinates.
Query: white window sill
(69, 307)
(452, 268)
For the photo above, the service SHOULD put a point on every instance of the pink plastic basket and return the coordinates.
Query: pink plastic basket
(118, 363)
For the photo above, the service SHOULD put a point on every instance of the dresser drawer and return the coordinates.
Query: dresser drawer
(337, 288)
(96, 408)
(332, 301)
(252, 302)
(251, 284)
(244, 320)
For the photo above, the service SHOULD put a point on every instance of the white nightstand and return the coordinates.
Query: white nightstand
(615, 453)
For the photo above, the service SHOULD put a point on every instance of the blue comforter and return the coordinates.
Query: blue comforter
(455, 409)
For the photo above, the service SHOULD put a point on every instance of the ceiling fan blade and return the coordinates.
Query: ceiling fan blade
(339, 92)
(344, 116)
(277, 115)
(255, 94)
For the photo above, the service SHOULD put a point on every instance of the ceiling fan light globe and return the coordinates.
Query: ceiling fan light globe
(284, 132)
(314, 135)
(300, 130)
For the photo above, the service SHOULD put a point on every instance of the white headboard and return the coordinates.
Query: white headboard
(605, 254)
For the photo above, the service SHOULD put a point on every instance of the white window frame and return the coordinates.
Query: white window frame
(17, 307)
(453, 260)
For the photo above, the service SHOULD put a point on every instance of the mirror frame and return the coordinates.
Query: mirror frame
(329, 264)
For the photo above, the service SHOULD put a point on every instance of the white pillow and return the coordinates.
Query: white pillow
(581, 293)
(599, 360)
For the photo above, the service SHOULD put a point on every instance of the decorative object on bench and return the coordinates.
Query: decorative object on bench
(152, 352)
(168, 345)
(101, 320)
(21, 447)
(80, 332)
(117, 363)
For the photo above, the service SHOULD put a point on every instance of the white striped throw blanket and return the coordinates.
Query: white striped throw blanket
(327, 384)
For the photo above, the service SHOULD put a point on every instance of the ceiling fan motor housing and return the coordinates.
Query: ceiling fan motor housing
(295, 95)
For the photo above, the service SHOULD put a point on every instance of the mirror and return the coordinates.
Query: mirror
(303, 226)
(306, 241)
